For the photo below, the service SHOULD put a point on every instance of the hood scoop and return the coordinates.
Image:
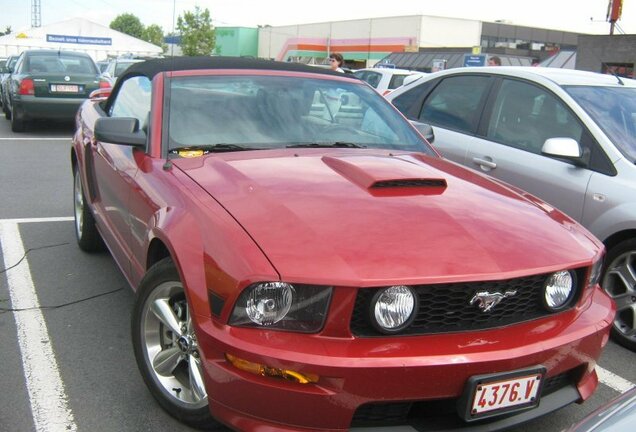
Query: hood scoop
(388, 175)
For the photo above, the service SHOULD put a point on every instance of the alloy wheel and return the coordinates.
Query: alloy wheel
(170, 346)
(620, 283)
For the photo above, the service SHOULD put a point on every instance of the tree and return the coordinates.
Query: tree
(129, 24)
(6, 31)
(197, 32)
(154, 34)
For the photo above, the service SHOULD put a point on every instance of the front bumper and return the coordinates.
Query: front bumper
(359, 372)
(36, 107)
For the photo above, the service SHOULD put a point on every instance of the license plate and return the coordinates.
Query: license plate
(64, 88)
(490, 395)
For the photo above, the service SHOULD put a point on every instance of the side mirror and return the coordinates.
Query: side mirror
(10, 69)
(425, 129)
(119, 130)
(566, 148)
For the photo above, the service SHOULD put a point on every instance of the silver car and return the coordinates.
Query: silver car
(568, 137)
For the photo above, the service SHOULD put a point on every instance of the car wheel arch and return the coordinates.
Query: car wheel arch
(619, 237)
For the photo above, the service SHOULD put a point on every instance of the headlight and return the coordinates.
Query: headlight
(393, 308)
(280, 305)
(559, 290)
(268, 303)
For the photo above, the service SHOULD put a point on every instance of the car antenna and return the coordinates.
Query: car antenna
(168, 163)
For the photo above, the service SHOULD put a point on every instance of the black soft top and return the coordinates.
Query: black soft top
(150, 68)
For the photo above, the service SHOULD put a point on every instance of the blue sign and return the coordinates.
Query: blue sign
(82, 40)
(474, 60)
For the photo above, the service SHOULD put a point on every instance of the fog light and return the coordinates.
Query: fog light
(268, 303)
(559, 289)
(393, 308)
(267, 371)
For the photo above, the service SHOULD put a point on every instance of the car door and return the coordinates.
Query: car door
(115, 169)
(454, 108)
(522, 117)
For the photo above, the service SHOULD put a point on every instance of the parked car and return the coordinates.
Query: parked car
(47, 84)
(618, 415)
(102, 65)
(118, 66)
(568, 137)
(4, 76)
(385, 80)
(304, 261)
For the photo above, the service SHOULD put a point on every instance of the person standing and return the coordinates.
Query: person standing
(336, 61)
(494, 61)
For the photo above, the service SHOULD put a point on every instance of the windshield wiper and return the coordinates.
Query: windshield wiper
(336, 144)
(212, 148)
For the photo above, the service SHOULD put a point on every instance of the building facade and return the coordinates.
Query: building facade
(364, 42)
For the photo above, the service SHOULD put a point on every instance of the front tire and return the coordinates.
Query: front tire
(619, 281)
(88, 237)
(166, 349)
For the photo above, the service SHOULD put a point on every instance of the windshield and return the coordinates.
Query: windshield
(276, 112)
(614, 111)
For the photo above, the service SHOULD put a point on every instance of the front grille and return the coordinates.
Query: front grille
(446, 307)
(438, 414)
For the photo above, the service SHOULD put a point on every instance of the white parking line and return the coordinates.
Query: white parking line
(43, 381)
(35, 139)
(612, 380)
(37, 220)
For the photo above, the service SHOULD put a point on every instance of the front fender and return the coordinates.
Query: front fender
(619, 218)
(211, 251)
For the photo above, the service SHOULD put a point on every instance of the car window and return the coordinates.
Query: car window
(372, 78)
(614, 110)
(405, 102)
(121, 67)
(62, 64)
(133, 100)
(524, 116)
(455, 103)
(396, 81)
(276, 112)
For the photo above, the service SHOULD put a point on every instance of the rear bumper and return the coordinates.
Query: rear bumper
(32, 107)
(434, 368)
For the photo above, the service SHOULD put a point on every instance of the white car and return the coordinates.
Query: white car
(385, 80)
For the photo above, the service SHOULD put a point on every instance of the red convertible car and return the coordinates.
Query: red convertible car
(304, 260)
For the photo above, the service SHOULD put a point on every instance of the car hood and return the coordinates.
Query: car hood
(369, 217)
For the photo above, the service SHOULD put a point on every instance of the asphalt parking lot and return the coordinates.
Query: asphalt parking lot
(66, 355)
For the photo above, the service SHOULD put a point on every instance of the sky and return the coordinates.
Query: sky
(585, 16)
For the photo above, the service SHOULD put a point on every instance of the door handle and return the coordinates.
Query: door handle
(486, 165)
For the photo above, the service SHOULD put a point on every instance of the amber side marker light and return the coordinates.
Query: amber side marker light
(266, 371)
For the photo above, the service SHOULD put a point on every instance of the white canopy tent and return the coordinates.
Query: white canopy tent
(77, 34)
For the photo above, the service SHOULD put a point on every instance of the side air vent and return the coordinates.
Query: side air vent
(409, 183)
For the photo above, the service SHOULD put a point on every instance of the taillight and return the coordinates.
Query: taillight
(104, 84)
(26, 87)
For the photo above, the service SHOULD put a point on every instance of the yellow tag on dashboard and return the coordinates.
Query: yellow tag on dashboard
(190, 153)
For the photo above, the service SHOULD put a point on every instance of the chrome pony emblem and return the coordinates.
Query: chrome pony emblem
(487, 300)
(67, 78)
